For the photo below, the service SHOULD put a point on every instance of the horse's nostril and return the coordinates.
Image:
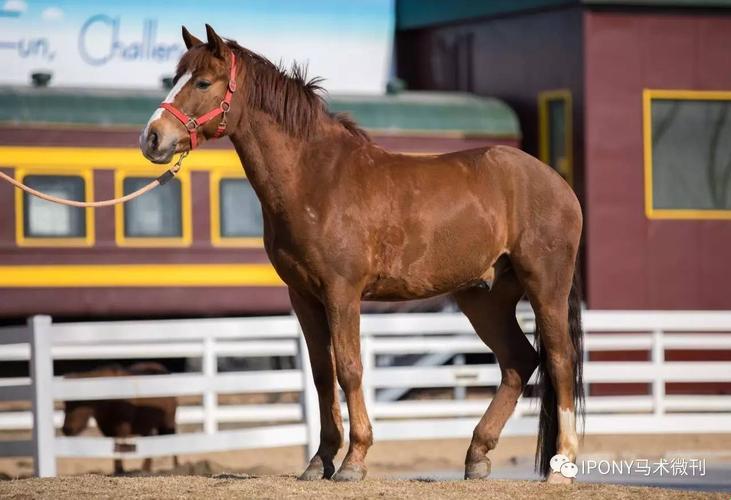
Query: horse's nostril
(152, 139)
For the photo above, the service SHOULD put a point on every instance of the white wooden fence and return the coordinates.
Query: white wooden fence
(383, 336)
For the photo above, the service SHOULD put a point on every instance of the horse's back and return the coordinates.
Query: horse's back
(512, 185)
(152, 409)
(147, 368)
(523, 167)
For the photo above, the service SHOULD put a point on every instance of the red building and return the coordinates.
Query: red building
(631, 102)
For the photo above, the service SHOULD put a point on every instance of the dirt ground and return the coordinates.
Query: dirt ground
(230, 486)
(269, 473)
(389, 459)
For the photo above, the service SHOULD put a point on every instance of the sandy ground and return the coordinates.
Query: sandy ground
(388, 459)
(229, 486)
(270, 473)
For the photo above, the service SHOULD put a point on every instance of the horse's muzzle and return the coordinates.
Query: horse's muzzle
(151, 148)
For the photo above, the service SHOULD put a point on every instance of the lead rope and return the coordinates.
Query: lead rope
(161, 180)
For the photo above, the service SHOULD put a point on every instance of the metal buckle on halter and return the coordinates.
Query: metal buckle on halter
(192, 124)
(225, 106)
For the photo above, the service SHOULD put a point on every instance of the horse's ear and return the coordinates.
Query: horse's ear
(189, 39)
(215, 42)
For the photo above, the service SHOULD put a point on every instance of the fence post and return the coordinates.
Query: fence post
(310, 402)
(658, 361)
(210, 399)
(41, 374)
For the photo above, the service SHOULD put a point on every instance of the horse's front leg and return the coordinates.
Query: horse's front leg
(312, 318)
(343, 313)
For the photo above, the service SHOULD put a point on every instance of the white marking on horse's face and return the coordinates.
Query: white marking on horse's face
(178, 86)
(169, 99)
(557, 461)
(155, 116)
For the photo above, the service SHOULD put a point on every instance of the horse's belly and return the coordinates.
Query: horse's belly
(424, 282)
(394, 289)
(440, 262)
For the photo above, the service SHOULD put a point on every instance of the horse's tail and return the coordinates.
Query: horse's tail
(548, 419)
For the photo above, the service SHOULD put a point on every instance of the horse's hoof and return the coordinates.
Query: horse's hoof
(477, 470)
(558, 478)
(317, 470)
(313, 472)
(349, 472)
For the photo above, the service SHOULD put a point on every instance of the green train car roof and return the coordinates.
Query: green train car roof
(427, 112)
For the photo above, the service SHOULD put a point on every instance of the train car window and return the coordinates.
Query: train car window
(687, 154)
(44, 219)
(240, 210)
(555, 129)
(156, 214)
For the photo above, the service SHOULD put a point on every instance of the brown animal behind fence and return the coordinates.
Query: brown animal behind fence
(120, 418)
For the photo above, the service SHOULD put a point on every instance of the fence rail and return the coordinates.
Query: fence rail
(384, 337)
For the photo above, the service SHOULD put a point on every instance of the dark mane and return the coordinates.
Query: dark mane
(295, 102)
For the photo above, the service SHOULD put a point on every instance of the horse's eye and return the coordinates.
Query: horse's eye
(202, 84)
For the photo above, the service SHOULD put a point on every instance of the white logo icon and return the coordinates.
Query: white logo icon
(561, 464)
(569, 469)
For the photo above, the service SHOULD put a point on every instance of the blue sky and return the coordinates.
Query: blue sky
(363, 16)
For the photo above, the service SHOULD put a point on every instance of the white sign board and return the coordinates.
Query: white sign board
(134, 43)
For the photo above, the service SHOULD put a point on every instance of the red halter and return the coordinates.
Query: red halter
(193, 124)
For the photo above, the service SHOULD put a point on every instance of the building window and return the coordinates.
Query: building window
(236, 213)
(157, 218)
(687, 136)
(555, 129)
(44, 223)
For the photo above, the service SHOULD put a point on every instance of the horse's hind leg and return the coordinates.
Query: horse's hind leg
(547, 272)
(313, 319)
(492, 314)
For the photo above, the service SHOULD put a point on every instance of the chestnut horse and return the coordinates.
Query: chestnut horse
(346, 221)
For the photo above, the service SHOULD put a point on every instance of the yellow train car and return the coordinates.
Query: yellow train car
(190, 248)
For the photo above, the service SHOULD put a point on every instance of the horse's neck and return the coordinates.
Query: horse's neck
(275, 164)
(268, 160)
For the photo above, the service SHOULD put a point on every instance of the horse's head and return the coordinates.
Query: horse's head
(76, 417)
(199, 105)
